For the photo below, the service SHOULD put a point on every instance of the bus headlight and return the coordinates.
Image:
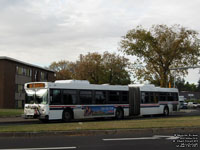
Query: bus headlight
(43, 111)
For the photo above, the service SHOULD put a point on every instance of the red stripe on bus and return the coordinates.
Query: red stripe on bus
(149, 104)
(121, 105)
(62, 106)
(168, 102)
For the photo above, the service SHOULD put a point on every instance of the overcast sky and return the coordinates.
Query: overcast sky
(42, 31)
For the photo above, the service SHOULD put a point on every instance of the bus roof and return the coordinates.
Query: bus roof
(153, 88)
(85, 85)
(80, 84)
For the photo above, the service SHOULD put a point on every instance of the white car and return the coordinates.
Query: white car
(193, 105)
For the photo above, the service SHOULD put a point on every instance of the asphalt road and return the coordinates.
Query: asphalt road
(120, 141)
(106, 142)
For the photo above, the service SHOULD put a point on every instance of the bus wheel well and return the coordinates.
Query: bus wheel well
(166, 111)
(119, 113)
(67, 115)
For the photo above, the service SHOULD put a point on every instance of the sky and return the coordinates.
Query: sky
(42, 31)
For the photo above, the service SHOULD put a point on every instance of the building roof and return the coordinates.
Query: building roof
(24, 63)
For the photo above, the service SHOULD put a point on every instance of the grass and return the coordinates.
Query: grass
(10, 112)
(193, 121)
(197, 101)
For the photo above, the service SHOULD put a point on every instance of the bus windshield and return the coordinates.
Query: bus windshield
(37, 96)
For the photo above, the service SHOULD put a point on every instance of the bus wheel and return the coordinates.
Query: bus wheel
(166, 111)
(67, 116)
(119, 113)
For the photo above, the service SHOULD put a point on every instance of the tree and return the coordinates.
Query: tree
(99, 69)
(96, 68)
(190, 87)
(180, 84)
(198, 86)
(159, 49)
(186, 86)
(64, 69)
(115, 67)
(89, 67)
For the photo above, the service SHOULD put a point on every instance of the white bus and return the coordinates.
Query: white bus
(78, 99)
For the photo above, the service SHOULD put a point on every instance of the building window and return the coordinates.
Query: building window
(43, 76)
(19, 70)
(19, 104)
(31, 72)
(19, 88)
(23, 71)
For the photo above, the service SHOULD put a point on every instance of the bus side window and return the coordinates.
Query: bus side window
(142, 97)
(100, 97)
(152, 97)
(56, 97)
(163, 96)
(156, 98)
(124, 99)
(114, 97)
(69, 97)
(175, 96)
(147, 100)
(85, 97)
(170, 97)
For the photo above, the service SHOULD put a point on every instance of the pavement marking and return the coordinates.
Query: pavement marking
(47, 148)
(155, 137)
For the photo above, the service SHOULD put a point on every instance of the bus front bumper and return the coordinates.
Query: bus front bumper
(35, 116)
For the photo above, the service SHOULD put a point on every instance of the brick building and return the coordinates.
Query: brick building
(13, 75)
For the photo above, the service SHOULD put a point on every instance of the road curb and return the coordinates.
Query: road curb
(169, 131)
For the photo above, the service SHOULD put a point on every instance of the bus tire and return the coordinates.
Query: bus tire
(119, 114)
(67, 115)
(166, 111)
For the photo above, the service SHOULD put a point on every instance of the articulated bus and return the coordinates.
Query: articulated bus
(78, 99)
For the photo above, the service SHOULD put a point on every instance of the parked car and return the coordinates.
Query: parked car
(185, 105)
(182, 105)
(193, 105)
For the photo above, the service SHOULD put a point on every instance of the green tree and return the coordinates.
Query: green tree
(64, 69)
(89, 67)
(115, 69)
(180, 84)
(190, 87)
(94, 67)
(198, 86)
(159, 49)
(99, 69)
(185, 86)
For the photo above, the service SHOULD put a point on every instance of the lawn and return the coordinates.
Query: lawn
(174, 122)
(11, 112)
